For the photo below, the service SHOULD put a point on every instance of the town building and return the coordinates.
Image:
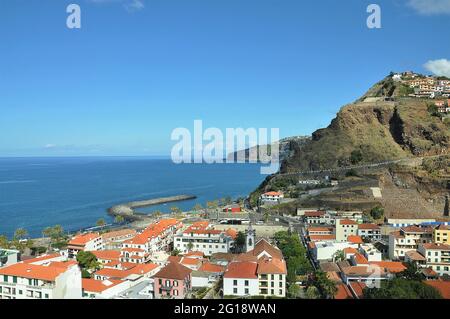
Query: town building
(345, 228)
(56, 280)
(173, 281)
(201, 236)
(406, 239)
(258, 272)
(271, 197)
(114, 239)
(437, 257)
(84, 242)
(233, 208)
(103, 289)
(441, 234)
(8, 257)
(371, 232)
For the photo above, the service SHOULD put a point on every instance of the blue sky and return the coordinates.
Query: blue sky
(137, 69)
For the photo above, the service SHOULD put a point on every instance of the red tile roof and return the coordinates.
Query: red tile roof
(322, 237)
(98, 286)
(347, 222)
(241, 269)
(358, 288)
(368, 226)
(442, 286)
(343, 292)
(31, 271)
(314, 214)
(107, 254)
(83, 239)
(42, 258)
(209, 267)
(173, 271)
(391, 266)
(355, 239)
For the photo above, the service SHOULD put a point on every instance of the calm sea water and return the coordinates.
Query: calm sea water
(75, 192)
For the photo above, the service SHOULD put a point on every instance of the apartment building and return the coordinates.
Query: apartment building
(173, 281)
(437, 257)
(155, 238)
(407, 239)
(57, 280)
(202, 237)
(259, 272)
(441, 234)
(345, 228)
(369, 231)
(84, 242)
(114, 239)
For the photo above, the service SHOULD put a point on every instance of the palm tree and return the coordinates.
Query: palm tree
(4, 242)
(101, 222)
(190, 245)
(119, 219)
(157, 214)
(20, 234)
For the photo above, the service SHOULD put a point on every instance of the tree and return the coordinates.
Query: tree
(401, 288)
(228, 200)
(339, 256)
(87, 260)
(294, 291)
(326, 286)
(240, 241)
(312, 293)
(190, 246)
(101, 222)
(412, 272)
(157, 214)
(198, 207)
(175, 252)
(20, 234)
(175, 210)
(266, 216)
(4, 242)
(377, 212)
(119, 219)
(356, 157)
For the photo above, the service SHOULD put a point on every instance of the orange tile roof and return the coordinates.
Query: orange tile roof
(434, 246)
(368, 226)
(348, 222)
(83, 239)
(350, 250)
(319, 229)
(31, 271)
(142, 269)
(63, 264)
(173, 271)
(107, 254)
(98, 286)
(231, 232)
(391, 266)
(442, 286)
(358, 288)
(195, 253)
(343, 292)
(264, 246)
(41, 258)
(314, 214)
(273, 194)
(209, 267)
(322, 237)
(118, 233)
(360, 259)
(241, 269)
(271, 266)
(355, 239)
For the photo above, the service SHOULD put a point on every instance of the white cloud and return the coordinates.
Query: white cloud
(48, 146)
(439, 67)
(430, 7)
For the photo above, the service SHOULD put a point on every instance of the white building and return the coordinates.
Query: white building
(345, 228)
(57, 280)
(259, 272)
(369, 231)
(271, 197)
(326, 250)
(103, 289)
(201, 236)
(370, 252)
(437, 257)
(8, 257)
(84, 242)
(407, 239)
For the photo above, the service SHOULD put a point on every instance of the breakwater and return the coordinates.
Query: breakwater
(127, 210)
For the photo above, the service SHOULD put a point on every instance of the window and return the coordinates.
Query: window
(46, 296)
(235, 282)
(15, 279)
(235, 290)
(5, 278)
(246, 291)
(175, 283)
(246, 283)
(175, 292)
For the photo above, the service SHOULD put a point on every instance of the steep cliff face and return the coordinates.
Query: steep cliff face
(378, 130)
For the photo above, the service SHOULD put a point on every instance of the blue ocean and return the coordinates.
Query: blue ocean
(76, 192)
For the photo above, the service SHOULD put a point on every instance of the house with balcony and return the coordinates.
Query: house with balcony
(271, 197)
(437, 257)
(370, 232)
(259, 272)
(172, 282)
(441, 234)
(407, 239)
(84, 242)
(202, 237)
(55, 280)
